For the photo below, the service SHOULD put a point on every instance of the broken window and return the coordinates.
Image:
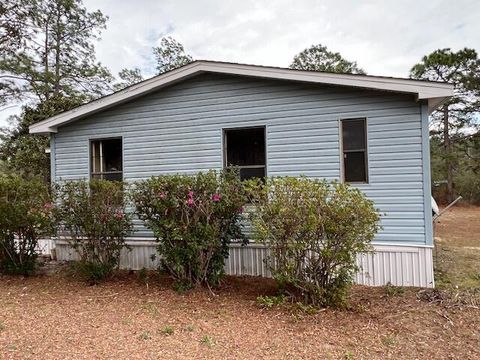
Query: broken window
(106, 159)
(354, 144)
(245, 150)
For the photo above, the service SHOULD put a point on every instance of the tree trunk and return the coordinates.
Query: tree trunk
(448, 154)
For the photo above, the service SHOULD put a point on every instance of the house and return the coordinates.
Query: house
(370, 131)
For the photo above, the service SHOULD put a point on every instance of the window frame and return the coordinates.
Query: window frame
(90, 157)
(343, 151)
(224, 147)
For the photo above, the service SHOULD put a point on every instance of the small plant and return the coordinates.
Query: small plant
(2, 326)
(143, 276)
(307, 309)
(348, 355)
(392, 290)
(167, 330)
(26, 208)
(270, 301)
(388, 341)
(144, 336)
(190, 328)
(314, 230)
(207, 340)
(194, 219)
(92, 218)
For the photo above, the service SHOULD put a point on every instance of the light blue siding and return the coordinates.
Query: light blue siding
(179, 129)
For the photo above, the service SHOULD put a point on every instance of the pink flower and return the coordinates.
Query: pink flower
(161, 195)
(48, 206)
(190, 202)
(240, 211)
(119, 215)
(216, 197)
(190, 194)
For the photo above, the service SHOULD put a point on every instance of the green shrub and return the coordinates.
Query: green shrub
(314, 230)
(194, 218)
(25, 216)
(92, 219)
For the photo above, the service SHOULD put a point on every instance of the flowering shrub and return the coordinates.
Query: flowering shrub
(92, 219)
(25, 216)
(194, 218)
(315, 230)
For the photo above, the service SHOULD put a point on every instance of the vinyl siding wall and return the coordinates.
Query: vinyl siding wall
(179, 129)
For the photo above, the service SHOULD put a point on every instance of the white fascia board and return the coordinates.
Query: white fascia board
(424, 90)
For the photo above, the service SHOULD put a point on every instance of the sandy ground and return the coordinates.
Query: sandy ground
(59, 318)
(56, 317)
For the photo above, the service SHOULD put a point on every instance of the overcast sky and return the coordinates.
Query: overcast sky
(384, 37)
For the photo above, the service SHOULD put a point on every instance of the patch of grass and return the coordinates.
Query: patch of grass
(348, 355)
(392, 290)
(388, 340)
(207, 340)
(144, 336)
(2, 326)
(270, 301)
(190, 328)
(167, 330)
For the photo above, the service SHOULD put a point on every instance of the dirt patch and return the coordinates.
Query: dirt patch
(457, 251)
(53, 317)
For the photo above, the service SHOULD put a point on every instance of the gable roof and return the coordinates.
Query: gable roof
(434, 93)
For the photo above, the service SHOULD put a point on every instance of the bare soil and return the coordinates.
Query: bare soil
(457, 240)
(57, 317)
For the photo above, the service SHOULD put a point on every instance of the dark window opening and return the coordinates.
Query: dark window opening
(106, 159)
(245, 150)
(354, 142)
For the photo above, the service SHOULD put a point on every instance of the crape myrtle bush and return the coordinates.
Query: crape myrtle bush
(92, 218)
(25, 216)
(315, 230)
(194, 218)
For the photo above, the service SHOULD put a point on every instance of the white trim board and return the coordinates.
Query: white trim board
(434, 93)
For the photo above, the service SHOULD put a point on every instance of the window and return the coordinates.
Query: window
(106, 159)
(354, 143)
(245, 149)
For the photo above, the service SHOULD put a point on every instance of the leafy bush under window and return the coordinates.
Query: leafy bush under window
(314, 230)
(25, 216)
(92, 218)
(194, 219)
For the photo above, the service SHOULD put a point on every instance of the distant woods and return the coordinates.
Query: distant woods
(49, 65)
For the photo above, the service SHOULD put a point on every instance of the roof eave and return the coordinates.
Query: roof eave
(434, 93)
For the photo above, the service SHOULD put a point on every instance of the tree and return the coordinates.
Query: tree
(128, 77)
(170, 55)
(462, 69)
(23, 153)
(48, 51)
(318, 58)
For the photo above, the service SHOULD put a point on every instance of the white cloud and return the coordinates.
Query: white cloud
(384, 37)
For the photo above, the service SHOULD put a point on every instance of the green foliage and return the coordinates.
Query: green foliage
(318, 58)
(194, 218)
(315, 231)
(51, 51)
(92, 219)
(128, 77)
(24, 153)
(392, 290)
(454, 122)
(167, 330)
(170, 55)
(207, 340)
(25, 216)
(270, 301)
